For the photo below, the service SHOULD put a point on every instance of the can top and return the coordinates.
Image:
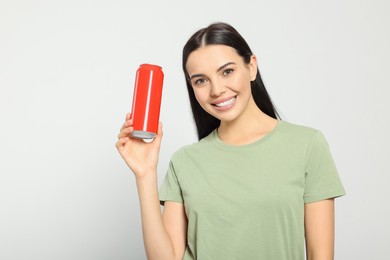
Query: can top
(150, 65)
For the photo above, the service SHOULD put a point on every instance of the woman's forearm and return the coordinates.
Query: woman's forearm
(158, 244)
(319, 230)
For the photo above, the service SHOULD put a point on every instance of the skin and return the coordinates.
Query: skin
(218, 76)
(319, 230)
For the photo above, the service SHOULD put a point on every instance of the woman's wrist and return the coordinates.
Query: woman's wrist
(146, 177)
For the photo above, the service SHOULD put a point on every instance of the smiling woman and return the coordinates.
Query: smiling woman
(221, 83)
(253, 186)
(219, 40)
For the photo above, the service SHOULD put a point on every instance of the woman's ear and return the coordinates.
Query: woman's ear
(252, 68)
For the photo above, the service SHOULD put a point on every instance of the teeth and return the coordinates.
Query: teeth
(226, 103)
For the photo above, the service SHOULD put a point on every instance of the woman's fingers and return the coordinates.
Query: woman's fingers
(125, 132)
(158, 137)
(122, 141)
(160, 131)
(126, 128)
(127, 123)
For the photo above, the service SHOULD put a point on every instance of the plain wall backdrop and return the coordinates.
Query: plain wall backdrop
(67, 72)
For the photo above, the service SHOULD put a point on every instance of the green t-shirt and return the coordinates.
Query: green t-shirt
(247, 202)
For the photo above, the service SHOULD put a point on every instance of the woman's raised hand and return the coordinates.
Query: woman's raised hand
(140, 156)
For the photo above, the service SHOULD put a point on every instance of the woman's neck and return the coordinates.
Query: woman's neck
(248, 128)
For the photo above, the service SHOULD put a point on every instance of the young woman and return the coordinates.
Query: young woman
(253, 186)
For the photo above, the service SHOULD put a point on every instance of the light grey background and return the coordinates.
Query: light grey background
(66, 75)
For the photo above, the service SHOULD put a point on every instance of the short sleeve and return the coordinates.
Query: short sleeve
(322, 180)
(170, 189)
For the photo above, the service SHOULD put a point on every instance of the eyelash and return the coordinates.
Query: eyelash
(199, 81)
(226, 72)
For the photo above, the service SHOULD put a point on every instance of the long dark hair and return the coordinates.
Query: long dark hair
(223, 34)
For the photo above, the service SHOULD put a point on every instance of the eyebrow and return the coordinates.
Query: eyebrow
(218, 70)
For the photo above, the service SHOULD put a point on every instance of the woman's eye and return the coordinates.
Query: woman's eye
(199, 81)
(227, 71)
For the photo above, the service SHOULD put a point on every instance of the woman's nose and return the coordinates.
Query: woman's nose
(217, 89)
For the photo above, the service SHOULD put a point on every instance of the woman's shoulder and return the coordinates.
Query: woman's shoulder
(300, 133)
(298, 129)
(196, 148)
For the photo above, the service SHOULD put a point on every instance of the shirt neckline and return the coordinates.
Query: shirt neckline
(243, 146)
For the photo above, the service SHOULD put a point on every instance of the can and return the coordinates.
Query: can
(147, 101)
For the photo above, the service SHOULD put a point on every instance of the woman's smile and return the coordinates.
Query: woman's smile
(225, 104)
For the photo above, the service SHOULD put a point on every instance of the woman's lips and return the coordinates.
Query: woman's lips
(225, 103)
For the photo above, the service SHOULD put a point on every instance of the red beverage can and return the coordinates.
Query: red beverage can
(147, 101)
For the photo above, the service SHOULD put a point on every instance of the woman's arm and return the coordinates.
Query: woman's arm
(175, 220)
(164, 236)
(319, 230)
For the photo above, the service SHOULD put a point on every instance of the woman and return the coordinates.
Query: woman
(253, 186)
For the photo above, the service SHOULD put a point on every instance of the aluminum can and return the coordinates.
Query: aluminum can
(147, 101)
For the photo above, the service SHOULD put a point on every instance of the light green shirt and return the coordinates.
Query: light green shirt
(247, 202)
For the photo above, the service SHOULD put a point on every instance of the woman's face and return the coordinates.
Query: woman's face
(221, 80)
